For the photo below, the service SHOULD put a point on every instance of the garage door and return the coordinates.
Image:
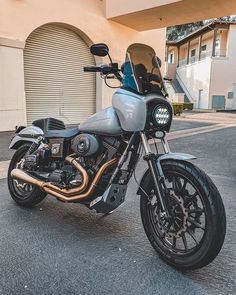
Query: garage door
(55, 83)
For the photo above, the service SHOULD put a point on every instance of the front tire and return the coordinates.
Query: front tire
(195, 234)
(22, 193)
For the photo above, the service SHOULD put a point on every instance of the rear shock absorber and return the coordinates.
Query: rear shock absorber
(34, 146)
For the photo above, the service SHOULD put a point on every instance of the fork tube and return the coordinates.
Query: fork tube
(165, 145)
(151, 160)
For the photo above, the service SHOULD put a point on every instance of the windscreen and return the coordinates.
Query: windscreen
(141, 70)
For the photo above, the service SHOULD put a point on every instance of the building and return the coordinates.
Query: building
(203, 67)
(45, 44)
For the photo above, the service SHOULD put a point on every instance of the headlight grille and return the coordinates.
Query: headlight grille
(161, 115)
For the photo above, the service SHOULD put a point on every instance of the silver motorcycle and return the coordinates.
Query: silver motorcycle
(181, 209)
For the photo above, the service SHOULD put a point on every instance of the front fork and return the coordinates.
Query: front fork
(157, 172)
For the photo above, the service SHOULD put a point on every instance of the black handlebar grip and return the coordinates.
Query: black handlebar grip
(92, 69)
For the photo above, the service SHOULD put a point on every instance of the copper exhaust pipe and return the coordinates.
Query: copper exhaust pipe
(60, 193)
(20, 174)
(69, 192)
(76, 190)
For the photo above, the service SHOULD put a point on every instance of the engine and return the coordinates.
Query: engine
(48, 160)
(85, 145)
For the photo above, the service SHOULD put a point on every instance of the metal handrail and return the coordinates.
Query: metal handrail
(184, 87)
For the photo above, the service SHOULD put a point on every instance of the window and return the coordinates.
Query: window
(193, 52)
(217, 43)
(230, 95)
(203, 48)
(203, 51)
(193, 55)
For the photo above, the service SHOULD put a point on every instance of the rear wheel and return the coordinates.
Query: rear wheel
(195, 233)
(24, 194)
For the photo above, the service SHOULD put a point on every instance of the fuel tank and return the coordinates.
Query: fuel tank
(104, 122)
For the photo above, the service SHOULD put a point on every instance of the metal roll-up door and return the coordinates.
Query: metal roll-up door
(55, 84)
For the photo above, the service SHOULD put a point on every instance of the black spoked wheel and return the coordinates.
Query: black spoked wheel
(194, 234)
(23, 193)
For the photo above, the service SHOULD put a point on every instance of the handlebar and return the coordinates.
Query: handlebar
(112, 68)
(92, 69)
(104, 69)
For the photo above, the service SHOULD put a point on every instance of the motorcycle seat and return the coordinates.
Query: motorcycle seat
(65, 133)
(54, 128)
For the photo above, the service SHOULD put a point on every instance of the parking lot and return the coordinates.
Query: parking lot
(59, 248)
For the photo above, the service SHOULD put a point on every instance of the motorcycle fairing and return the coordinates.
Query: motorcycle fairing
(131, 110)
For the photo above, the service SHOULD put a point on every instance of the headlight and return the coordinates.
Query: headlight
(162, 115)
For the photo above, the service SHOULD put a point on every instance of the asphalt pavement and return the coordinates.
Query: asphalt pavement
(59, 248)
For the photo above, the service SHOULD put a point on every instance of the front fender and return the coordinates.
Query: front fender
(169, 156)
(28, 134)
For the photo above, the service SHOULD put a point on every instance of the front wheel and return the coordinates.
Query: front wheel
(195, 233)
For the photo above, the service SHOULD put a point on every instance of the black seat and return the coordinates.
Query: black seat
(54, 128)
(65, 133)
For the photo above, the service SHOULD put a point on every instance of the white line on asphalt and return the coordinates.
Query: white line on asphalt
(193, 131)
(214, 120)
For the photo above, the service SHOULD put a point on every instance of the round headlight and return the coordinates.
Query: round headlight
(161, 115)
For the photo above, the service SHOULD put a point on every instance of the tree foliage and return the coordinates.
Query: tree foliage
(180, 31)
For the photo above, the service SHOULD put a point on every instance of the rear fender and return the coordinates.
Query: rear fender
(28, 134)
(169, 156)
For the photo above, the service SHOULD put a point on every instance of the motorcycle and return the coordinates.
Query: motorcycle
(181, 209)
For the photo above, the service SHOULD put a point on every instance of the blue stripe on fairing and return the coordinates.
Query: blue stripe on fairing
(128, 94)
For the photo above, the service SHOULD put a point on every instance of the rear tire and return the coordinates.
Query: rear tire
(27, 198)
(212, 209)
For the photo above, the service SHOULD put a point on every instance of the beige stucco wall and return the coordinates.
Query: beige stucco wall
(116, 8)
(12, 96)
(195, 77)
(223, 36)
(223, 72)
(183, 52)
(87, 17)
(150, 14)
(170, 69)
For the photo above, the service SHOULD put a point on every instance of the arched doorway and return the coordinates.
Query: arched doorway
(55, 84)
